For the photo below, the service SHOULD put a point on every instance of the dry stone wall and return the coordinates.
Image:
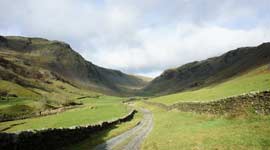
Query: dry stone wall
(258, 102)
(54, 138)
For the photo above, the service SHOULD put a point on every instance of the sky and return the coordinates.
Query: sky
(142, 37)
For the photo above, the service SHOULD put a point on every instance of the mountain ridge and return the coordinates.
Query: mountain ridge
(198, 74)
(60, 58)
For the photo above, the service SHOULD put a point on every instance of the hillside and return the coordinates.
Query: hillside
(59, 59)
(255, 80)
(207, 72)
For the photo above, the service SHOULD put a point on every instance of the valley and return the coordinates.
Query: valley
(46, 88)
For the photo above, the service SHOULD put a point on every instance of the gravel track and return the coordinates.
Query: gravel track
(131, 139)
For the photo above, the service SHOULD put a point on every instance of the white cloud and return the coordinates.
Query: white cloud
(139, 36)
(167, 47)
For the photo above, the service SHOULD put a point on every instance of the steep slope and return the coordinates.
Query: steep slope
(213, 70)
(60, 59)
(251, 81)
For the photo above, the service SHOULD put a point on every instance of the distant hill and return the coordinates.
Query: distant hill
(144, 78)
(62, 61)
(211, 71)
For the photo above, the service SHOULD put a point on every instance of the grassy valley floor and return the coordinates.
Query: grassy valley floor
(187, 130)
(93, 111)
(179, 130)
(172, 129)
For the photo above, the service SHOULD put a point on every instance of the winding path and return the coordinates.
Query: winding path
(131, 139)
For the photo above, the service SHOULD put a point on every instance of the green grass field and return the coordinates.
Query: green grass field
(93, 111)
(16, 89)
(14, 101)
(29, 101)
(182, 130)
(24, 103)
(179, 130)
(255, 80)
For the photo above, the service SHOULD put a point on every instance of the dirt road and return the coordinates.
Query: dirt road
(131, 139)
